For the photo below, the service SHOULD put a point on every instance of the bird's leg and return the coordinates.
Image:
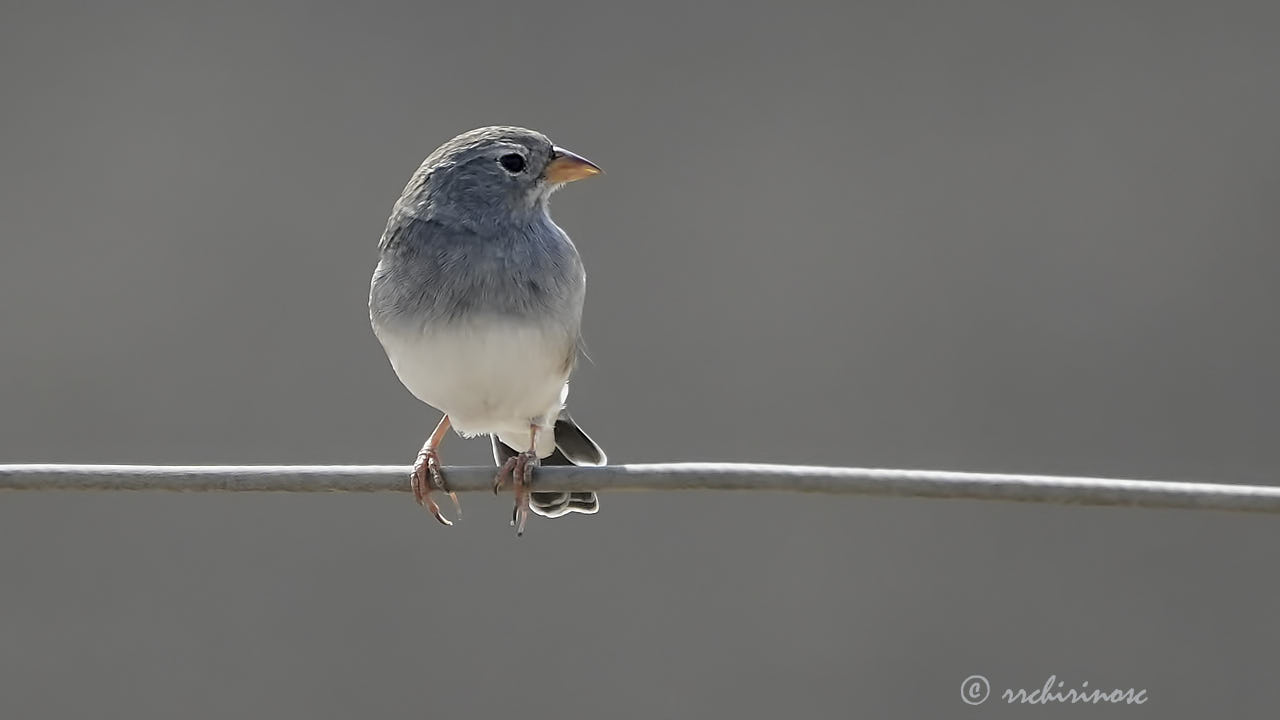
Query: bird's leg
(427, 475)
(519, 468)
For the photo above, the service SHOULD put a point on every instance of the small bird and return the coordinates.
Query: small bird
(477, 300)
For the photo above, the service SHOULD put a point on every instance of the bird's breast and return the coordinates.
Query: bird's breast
(445, 275)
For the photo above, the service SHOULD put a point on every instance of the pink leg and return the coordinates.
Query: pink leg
(519, 469)
(427, 475)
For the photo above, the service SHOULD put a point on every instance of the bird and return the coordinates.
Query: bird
(477, 300)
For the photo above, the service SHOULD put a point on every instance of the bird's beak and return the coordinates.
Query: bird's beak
(566, 167)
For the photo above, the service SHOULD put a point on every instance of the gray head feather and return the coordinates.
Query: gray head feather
(465, 180)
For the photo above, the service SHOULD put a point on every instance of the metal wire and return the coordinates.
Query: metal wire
(669, 476)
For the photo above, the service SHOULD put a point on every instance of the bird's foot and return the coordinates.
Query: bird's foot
(427, 476)
(519, 470)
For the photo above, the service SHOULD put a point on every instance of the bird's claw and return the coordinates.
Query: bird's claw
(426, 477)
(519, 470)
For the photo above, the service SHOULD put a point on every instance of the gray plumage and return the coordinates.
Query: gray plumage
(466, 236)
(477, 296)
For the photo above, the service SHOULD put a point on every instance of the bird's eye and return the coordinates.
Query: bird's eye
(513, 163)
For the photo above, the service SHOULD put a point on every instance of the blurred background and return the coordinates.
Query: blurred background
(1024, 237)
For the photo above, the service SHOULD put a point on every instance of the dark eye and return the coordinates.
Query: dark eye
(512, 163)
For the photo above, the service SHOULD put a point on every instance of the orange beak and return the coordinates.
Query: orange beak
(566, 167)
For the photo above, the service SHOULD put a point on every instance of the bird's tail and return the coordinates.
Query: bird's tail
(573, 447)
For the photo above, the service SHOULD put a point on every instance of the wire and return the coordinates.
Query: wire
(661, 477)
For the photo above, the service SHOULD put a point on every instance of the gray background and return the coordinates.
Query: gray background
(972, 236)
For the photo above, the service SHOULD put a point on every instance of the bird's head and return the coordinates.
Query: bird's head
(491, 175)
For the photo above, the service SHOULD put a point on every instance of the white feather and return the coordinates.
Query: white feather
(489, 376)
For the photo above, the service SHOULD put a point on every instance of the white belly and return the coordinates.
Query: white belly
(488, 377)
